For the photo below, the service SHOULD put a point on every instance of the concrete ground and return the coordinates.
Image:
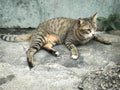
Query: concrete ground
(61, 73)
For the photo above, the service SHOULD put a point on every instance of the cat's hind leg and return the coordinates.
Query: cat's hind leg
(37, 43)
(52, 40)
(49, 48)
(30, 53)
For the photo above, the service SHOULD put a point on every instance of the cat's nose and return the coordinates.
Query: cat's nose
(92, 32)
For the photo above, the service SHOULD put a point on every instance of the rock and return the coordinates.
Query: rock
(57, 73)
(6, 79)
(107, 78)
(114, 32)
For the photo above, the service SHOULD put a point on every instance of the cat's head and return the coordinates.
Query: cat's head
(87, 26)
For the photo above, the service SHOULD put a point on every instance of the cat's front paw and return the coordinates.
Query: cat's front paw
(74, 57)
(107, 42)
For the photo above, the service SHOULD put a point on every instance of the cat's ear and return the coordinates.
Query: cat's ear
(94, 17)
(80, 21)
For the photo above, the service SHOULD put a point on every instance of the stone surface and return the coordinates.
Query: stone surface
(115, 32)
(58, 73)
(29, 13)
(108, 78)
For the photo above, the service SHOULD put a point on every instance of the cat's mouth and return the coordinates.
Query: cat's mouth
(88, 35)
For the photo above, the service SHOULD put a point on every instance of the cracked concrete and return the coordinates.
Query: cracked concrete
(57, 73)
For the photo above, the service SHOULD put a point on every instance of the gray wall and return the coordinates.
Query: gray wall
(29, 13)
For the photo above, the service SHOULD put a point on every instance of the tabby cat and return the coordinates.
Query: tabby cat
(61, 30)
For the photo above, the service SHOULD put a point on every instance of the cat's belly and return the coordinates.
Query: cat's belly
(52, 38)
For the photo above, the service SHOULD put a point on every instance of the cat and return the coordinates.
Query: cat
(61, 30)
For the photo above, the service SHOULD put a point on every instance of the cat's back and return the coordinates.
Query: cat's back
(57, 24)
(58, 20)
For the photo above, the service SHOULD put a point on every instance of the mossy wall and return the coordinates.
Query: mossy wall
(29, 13)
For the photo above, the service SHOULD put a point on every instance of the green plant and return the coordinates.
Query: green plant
(109, 23)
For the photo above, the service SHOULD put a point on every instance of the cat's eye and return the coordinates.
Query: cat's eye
(89, 30)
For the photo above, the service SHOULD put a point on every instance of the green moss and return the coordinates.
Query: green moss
(109, 23)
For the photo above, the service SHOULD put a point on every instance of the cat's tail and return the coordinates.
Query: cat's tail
(16, 38)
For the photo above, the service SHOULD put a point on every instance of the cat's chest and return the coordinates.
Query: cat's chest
(84, 40)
